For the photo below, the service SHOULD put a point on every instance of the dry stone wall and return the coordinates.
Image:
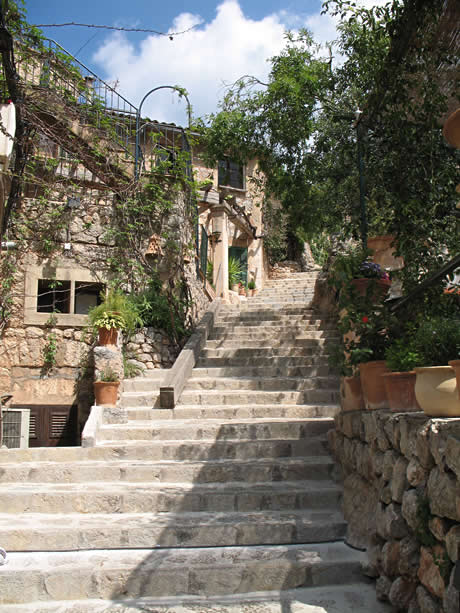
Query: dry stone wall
(402, 501)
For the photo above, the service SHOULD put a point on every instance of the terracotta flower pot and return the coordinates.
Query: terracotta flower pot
(351, 394)
(436, 391)
(106, 392)
(400, 391)
(108, 336)
(381, 287)
(372, 384)
(455, 364)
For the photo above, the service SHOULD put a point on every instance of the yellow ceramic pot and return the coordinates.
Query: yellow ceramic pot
(436, 391)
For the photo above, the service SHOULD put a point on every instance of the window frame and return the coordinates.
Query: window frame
(228, 161)
(34, 274)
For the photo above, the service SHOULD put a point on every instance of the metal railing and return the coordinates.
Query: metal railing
(51, 67)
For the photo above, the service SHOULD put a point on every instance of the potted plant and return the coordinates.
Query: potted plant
(235, 272)
(438, 341)
(351, 393)
(115, 313)
(252, 287)
(241, 289)
(354, 275)
(401, 358)
(367, 349)
(106, 387)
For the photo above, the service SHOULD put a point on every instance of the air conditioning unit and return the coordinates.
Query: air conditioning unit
(16, 424)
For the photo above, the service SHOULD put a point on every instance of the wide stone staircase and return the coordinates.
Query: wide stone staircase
(225, 503)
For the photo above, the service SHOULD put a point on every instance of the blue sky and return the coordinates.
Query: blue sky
(234, 37)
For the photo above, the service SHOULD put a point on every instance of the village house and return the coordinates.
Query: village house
(70, 232)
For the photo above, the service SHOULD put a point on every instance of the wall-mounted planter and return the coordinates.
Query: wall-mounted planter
(436, 391)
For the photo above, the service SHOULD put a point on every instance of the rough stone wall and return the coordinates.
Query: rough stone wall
(284, 269)
(402, 501)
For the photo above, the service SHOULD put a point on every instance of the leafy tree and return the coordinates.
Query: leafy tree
(302, 127)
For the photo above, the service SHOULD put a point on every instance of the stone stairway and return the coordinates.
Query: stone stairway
(223, 503)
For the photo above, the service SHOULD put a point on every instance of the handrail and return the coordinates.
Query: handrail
(419, 289)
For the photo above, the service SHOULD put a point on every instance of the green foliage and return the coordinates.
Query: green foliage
(401, 356)
(252, 284)
(276, 231)
(165, 309)
(210, 272)
(109, 376)
(235, 272)
(130, 370)
(7, 272)
(50, 348)
(117, 310)
(423, 533)
(437, 340)
(301, 126)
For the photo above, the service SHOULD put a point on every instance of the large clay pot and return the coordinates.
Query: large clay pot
(436, 391)
(372, 384)
(400, 391)
(351, 394)
(455, 364)
(381, 287)
(106, 392)
(108, 336)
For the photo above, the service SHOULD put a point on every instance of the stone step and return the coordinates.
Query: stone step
(187, 450)
(245, 342)
(232, 397)
(272, 334)
(141, 384)
(316, 347)
(261, 383)
(215, 430)
(356, 597)
(255, 470)
(273, 362)
(132, 573)
(76, 531)
(140, 399)
(286, 323)
(156, 497)
(139, 429)
(285, 320)
(267, 370)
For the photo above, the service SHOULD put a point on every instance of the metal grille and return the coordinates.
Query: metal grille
(15, 428)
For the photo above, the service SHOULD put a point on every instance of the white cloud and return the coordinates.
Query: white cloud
(214, 53)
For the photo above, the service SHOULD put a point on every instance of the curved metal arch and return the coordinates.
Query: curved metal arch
(138, 117)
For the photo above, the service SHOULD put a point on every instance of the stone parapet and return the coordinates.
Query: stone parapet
(401, 475)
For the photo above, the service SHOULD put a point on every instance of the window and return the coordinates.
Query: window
(87, 295)
(230, 174)
(53, 296)
(68, 292)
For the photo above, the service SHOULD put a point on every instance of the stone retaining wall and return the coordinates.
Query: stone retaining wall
(402, 501)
